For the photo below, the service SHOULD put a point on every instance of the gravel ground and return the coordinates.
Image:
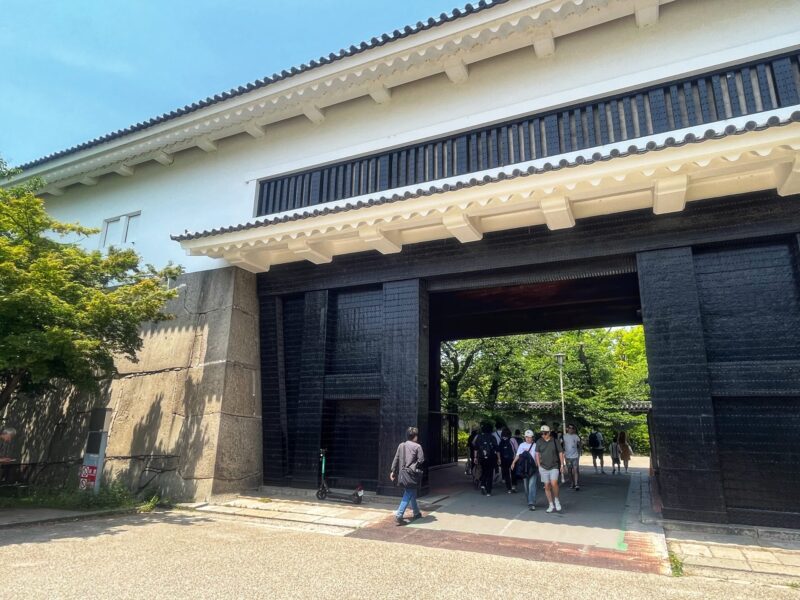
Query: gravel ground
(181, 555)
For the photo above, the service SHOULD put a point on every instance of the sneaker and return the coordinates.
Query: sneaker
(488, 494)
(577, 488)
(483, 490)
(558, 505)
(603, 473)
(400, 521)
(416, 516)
(508, 491)
(513, 490)
(549, 509)
(531, 507)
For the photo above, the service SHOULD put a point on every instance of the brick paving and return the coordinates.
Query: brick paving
(641, 555)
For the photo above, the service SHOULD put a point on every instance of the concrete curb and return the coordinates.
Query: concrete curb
(775, 534)
(71, 518)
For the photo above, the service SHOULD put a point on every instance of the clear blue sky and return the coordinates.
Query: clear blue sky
(76, 69)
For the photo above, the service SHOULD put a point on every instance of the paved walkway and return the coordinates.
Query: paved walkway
(335, 518)
(18, 516)
(598, 526)
(184, 554)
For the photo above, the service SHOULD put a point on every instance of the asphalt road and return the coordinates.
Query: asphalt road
(181, 555)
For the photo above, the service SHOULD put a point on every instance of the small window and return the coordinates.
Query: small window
(120, 231)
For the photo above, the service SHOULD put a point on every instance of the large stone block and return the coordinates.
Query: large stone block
(206, 291)
(243, 340)
(166, 345)
(143, 420)
(238, 453)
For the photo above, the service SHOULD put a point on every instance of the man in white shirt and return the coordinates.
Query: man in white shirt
(572, 452)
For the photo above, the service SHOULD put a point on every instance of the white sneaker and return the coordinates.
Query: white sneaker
(549, 509)
(558, 505)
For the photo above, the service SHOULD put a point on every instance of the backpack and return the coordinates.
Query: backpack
(594, 441)
(506, 450)
(485, 446)
(526, 465)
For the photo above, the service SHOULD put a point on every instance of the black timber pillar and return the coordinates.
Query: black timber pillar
(308, 429)
(404, 370)
(689, 475)
(274, 424)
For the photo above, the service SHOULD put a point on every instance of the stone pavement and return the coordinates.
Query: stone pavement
(737, 556)
(331, 517)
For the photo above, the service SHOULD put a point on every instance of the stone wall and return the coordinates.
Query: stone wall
(186, 417)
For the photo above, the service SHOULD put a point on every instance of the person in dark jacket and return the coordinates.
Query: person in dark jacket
(407, 473)
(488, 455)
(508, 450)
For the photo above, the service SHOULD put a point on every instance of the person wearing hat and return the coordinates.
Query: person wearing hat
(550, 458)
(526, 468)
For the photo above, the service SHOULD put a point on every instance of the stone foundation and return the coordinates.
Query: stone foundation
(186, 417)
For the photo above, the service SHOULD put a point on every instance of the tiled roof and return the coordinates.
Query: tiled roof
(510, 173)
(375, 42)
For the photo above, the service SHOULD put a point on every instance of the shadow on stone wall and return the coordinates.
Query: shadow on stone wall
(186, 417)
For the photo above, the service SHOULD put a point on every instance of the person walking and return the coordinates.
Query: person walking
(625, 450)
(508, 451)
(614, 451)
(525, 467)
(488, 456)
(407, 473)
(518, 437)
(572, 452)
(597, 449)
(550, 458)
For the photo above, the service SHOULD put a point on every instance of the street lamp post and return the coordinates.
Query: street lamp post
(560, 358)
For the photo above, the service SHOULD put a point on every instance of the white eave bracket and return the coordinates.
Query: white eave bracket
(788, 178)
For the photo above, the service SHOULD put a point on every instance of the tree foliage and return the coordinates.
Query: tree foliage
(499, 377)
(66, 312)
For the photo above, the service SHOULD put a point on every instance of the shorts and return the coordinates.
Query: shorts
(597, 453)
(574, 463)
(548, 475)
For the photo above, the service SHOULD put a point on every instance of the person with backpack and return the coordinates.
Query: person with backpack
(550, 458)
(407, 473)
(526, 469)
(508, 450)
(597, 449)
(488, 456)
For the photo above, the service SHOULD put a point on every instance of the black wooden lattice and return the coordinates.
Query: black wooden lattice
(733, 92)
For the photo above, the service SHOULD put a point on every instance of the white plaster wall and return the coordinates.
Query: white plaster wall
(205, 190)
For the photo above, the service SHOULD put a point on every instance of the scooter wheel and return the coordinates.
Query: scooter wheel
(322, 494)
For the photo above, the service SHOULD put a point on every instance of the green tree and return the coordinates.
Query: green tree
(66, 312)
(604, 370)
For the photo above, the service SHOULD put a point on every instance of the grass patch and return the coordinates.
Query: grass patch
(794, 585)
(112, 496)
(265, 500)
(675, 564)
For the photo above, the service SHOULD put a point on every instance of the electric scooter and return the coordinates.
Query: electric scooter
(325, 492)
